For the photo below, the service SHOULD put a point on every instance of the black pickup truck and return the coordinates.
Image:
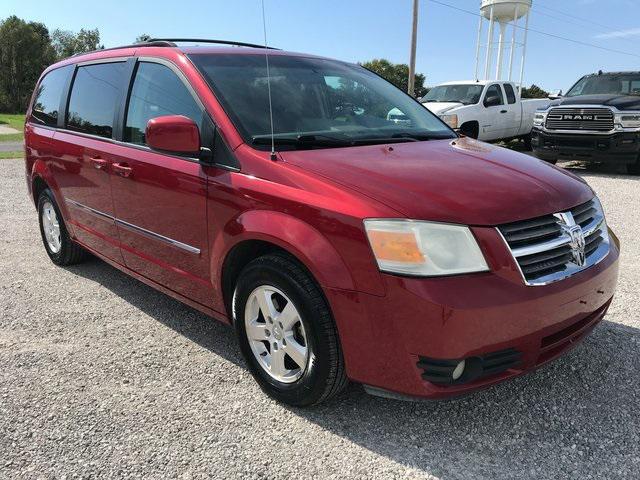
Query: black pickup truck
(597, 120)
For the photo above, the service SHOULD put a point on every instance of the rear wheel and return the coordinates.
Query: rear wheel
(57, 242)
(286, 332)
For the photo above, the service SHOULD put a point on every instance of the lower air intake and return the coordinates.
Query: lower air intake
(441, 372)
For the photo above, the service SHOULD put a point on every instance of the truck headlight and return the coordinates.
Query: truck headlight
(629, 120)
(425, 249)
(451, 120)
(539, 118)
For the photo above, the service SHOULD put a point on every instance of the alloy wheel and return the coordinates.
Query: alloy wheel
(51, 227)
(276, 334)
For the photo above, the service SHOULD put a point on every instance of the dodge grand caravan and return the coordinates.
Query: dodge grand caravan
(345, 246)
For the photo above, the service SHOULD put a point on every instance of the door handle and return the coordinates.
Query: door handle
(99, 163)
(122, 169)
(503, 111)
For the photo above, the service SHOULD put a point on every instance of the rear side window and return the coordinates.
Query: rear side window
(48, 96)
(94, 97)
(511, 95)
(157, 91)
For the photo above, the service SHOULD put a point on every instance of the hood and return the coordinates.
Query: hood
(621, 102)
(441, 107)
(457, 181)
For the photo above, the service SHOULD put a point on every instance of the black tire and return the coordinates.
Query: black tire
(527, 142)
(70, 252)
(470, 129)
(634, 168)
(324, 375)
(549, 159)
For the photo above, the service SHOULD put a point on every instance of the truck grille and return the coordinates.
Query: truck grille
(556, 246)
(592, 119)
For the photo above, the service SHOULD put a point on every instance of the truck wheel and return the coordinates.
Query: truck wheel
(61, 249)
(470, 129)
(286, 332)
(634, 168)
(527, 142)
(546, 158)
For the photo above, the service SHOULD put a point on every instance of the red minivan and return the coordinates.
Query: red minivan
(278, 192)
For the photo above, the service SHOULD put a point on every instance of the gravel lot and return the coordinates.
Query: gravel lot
(104, 377)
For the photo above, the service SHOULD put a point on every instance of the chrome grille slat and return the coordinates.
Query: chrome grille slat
(602, 119)
(544, 249)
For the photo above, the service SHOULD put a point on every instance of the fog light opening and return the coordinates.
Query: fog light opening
(459, 370)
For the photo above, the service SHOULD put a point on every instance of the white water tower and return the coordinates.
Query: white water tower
(506, 14)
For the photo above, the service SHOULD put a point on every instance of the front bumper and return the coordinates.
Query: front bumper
(386, 339)
(621, 148)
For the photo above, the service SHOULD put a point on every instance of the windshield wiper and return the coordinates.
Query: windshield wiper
(319, 140)
(419, 137)
(302, 141)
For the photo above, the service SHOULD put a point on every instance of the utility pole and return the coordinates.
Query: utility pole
(412, 60)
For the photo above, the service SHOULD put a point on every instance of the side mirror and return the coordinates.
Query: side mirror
(174, 134)
(554, 95)
(492, 101)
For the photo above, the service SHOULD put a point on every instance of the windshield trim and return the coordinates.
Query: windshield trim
(247, 138)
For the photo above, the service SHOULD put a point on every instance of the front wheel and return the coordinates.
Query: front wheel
(634, 168)
(547, 158)
(287, 333)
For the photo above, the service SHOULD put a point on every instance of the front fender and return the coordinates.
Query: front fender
(303, 241)
(291, 234)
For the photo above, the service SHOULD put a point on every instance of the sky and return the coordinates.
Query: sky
(359, 30)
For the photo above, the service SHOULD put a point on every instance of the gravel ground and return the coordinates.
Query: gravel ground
(104, 377)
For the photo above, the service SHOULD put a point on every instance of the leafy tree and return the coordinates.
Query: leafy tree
(67, 43)
(398, 74)
(534, 91)
(143, 38)
(25, 51)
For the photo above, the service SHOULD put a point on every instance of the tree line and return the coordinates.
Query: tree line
(26, 49)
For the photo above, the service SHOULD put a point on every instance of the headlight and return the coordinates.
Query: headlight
(538, 119)
(451, 120)
(628, 120)
(424, 248)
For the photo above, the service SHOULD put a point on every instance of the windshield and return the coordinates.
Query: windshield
(316, 102)
(617, 84)
(465, 94)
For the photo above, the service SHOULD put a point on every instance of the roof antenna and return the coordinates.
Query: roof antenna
(266, 56)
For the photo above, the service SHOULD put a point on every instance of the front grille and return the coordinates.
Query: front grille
(545, 250)
(592, 119)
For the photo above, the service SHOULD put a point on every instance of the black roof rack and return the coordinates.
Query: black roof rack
(155, 43)
(173, 41)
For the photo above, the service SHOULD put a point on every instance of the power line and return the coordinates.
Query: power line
(540, 32)
(576, 17)
(602, 29)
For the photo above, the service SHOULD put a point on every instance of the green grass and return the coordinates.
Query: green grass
(19, 154)
(13, 120)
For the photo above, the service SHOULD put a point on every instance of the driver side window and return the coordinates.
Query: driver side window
(494, 96)
(156, 92)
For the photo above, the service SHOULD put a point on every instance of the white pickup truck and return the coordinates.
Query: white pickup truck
(488, 110)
